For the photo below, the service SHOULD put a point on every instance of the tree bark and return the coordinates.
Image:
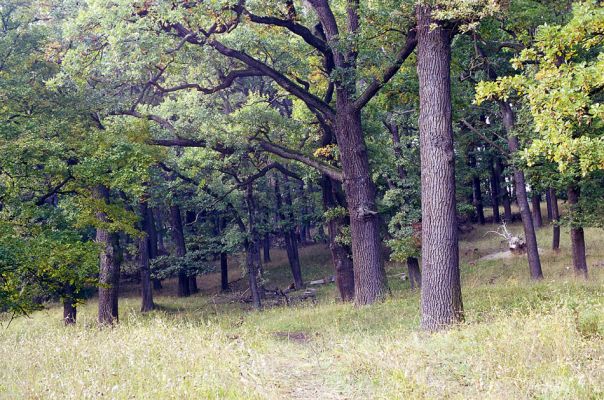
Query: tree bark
(503, 191)
(536, 203)
(441, 303)
(577, 236)
(521, 196)
(415, 276)
(555, 220)
(143, 261)
(494, 192)
(289, 236)
(368, 264)
(340, 254)
(548, 201)
(153, 245)
(109, 266)
(476, 192)
(69, 308)
(181, 249)
(266, 246)
(252, 248)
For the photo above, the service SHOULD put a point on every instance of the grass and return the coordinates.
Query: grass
(521, 340)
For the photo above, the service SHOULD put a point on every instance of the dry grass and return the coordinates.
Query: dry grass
(521, 340)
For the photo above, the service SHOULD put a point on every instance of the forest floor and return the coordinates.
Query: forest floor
(521, 340)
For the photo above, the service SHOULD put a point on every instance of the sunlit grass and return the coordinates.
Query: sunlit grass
(520, 340)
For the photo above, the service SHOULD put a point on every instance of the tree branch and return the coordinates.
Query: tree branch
(503, 151)
(377, 84)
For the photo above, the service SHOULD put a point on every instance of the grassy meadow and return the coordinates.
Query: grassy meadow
(521, 340)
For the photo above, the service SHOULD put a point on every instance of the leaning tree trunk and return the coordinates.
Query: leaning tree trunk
(521, 196)
(109, 266)
(555, 220)
(181, 249)
(536, 203)
(577, 236)
(143, 262)
(370, 281)
(69, 308)
(441, 303)
(340, 255)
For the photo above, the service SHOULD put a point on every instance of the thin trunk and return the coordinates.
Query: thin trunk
(266, 246)
(577, 236)
(503, 191)
(224, 272)
(69, 309)
(415, 275)
(536, 203)
(153, 246)
(252, 248)
(181, 249)
(109, 266)
(548, 201)
(494, 192)
(476, 192)
(441, 303)
(521, 196)
(143, 261)
(555, 220)
(291, 244)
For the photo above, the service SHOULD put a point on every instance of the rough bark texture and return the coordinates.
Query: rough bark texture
(548, 201)
(340, 254)
(536, 203)
(521, 196)
(143, 262)
(577, 236)
(179, 243)
(153, 244)
(292, 244)
(109, 266)
(69, 309)
(369, 274)
(441, 303)
(415, 276)
(555, 220)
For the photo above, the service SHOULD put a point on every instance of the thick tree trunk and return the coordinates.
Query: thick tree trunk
(252, 248)
(369, 273)
(143, 262)
(503, 191)
(577, 236)
(415, 276)
(521, 196)
(536, 203)
(109, 266)
(555, 220)
(441, 303)
(494, 192)
(340, 255)
(178, 236)
(266, 246)
(476, 192)
(69, 309)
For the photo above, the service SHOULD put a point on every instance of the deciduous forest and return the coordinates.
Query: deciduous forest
(301, 199)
